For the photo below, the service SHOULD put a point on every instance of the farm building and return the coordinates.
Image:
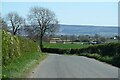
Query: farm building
(58, 40)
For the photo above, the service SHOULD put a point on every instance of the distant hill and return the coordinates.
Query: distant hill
(88, 30)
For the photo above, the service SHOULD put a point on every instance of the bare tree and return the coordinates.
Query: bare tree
(45, 20)
(15, 22)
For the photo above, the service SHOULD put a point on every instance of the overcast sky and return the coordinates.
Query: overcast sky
(76, 13)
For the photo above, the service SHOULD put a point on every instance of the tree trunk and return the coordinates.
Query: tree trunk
(41, 45)
(14, 33)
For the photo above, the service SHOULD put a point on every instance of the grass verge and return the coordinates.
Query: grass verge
(20, 67)
(107, 59)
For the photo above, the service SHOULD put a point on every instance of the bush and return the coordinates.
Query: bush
(13, 47)
(116, 61)
(108, 49)
(27, 45)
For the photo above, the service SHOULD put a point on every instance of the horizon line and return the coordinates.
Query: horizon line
(90, 25)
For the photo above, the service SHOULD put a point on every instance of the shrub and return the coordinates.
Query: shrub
(13, 47)
(116, 61)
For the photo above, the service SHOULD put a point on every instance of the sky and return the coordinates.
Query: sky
(71, 13)
(60, 0)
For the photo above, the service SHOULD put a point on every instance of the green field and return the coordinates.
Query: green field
(65, 46)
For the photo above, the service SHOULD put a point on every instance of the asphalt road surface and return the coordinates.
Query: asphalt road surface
(63, 66)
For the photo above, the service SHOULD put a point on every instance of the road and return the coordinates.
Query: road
(63, 66)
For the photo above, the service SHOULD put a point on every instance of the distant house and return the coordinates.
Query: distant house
(58, 40)
(55, 40)
(64, 41)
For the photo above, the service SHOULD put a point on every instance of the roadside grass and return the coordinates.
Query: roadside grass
(20, 67)
(70, 54)
(107, 59)
(65, 46)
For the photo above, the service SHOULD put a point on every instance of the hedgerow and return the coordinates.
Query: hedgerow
(110, 49)
(15, 46)
(109, 52)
